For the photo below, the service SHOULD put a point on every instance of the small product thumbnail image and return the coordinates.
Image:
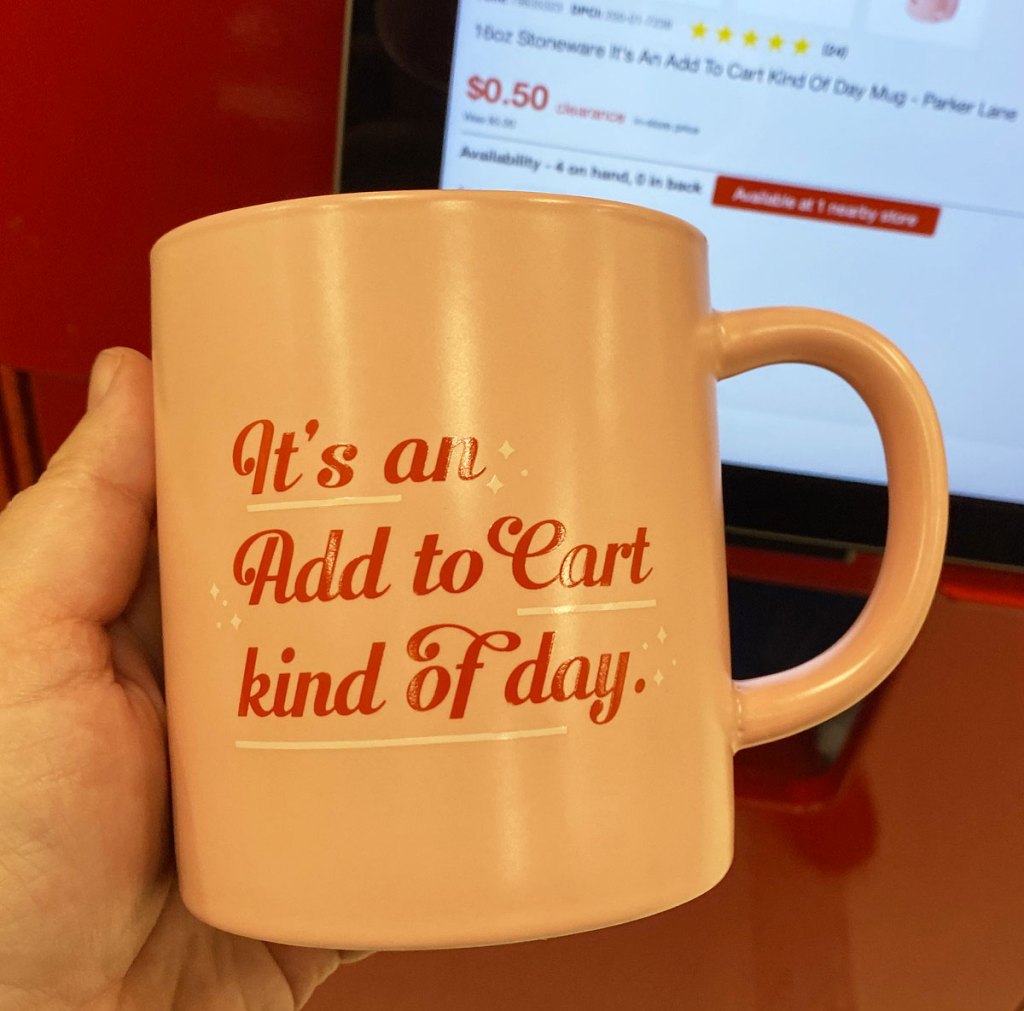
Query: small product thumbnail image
(932, 10)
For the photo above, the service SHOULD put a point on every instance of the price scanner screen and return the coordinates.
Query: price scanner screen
(861, 156)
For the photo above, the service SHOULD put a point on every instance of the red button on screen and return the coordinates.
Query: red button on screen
(826, 205)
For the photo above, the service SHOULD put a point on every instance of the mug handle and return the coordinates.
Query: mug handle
(777, 705)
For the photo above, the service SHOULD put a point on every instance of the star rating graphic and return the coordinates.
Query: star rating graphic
(750, 39)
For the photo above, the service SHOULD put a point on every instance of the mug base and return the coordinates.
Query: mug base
(293, 929)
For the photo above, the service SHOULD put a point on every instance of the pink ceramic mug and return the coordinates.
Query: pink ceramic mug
(443, 569)
(932, 10)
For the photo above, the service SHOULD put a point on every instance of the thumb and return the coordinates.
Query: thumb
(72, 546)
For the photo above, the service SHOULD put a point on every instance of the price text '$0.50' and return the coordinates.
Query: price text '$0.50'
(523, 95)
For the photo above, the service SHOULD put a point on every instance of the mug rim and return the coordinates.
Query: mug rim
(276, 208)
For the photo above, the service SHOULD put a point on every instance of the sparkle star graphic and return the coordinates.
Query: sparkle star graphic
(724, 34)
(494, 484)
(700, 30)
(776, 42)
(506, 450)
(801, 46)
(750, 38)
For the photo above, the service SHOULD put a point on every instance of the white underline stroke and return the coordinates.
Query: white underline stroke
(619, 605)
(324, 503)
(401, 742)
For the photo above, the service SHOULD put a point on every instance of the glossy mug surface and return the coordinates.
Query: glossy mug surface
(442, 563)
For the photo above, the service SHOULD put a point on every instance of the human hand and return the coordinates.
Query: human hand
(90, 914)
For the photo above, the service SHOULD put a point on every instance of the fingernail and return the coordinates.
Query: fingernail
(102, 375)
